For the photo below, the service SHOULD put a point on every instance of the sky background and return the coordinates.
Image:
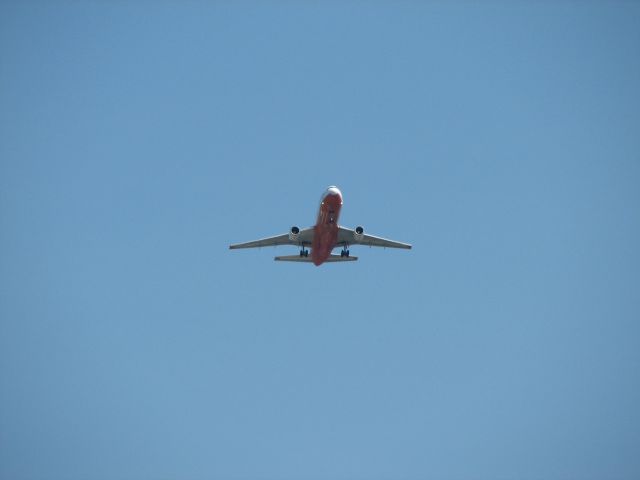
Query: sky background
(139, 139)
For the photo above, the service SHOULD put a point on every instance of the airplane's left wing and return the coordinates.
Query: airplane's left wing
(302, 238)
(346, 236)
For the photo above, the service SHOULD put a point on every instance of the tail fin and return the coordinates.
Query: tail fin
(298, 258)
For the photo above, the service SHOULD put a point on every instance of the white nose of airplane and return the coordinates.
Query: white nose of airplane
(332, 191)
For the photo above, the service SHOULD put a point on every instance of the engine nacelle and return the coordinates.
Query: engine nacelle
(293, 233)
(358, 233)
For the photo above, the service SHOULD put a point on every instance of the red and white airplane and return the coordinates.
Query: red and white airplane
(324, 236)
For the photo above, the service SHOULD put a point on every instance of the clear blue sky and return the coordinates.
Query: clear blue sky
(139, 139)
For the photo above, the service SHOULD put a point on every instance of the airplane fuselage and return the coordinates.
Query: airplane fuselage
(326, 228)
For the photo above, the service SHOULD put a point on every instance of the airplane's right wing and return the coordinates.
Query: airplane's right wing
(303, 238)
(347, 236)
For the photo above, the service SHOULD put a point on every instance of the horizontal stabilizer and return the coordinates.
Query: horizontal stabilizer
(298, 258)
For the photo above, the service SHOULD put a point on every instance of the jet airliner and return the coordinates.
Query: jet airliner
(324, 236)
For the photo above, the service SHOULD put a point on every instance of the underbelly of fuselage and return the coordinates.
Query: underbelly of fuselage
(326, 230)
(324, 240)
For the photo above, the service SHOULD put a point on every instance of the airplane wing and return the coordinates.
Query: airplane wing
(304, 237)
(346, 236)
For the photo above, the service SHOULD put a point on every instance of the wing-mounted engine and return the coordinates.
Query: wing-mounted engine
(358, 233)
(293, 233)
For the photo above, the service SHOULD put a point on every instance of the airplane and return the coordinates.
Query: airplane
(324, 236)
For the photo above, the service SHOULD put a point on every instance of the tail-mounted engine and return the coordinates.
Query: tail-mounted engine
(293, 233)
(358, 233)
